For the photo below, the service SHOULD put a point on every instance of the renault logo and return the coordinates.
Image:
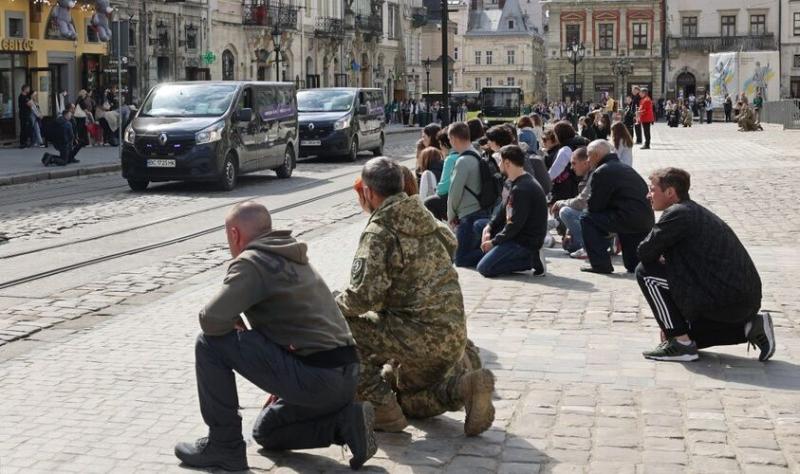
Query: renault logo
(311, 126)
(162, 139)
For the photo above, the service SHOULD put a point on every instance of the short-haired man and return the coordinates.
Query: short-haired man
(635, 100)
(25, 112)
(463, 205)
(569, 211)
(405, 308)
(299, 349)
(512, 240)
(646, 116)
(697, 277)
(617, 204)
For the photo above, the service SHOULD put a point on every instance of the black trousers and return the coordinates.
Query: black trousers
(438, 206)
(652, 278)
(638, 129)
(709, 116)
(596, 228)
(311, 401)
(25, 131)
(81, 130)
(727, 114)
(646, 129)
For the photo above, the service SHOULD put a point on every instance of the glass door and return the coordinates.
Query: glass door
(40, 81)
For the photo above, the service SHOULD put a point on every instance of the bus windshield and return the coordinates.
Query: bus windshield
(189, 100)
(311, 100)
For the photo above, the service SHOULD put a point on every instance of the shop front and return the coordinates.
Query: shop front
(13, 75)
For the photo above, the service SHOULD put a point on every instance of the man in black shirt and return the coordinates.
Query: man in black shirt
(617, 205)
(697, 277)
(25, 111)
(635, 106)
(513, 239)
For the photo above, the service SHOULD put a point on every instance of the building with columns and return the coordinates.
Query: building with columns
(609, 30)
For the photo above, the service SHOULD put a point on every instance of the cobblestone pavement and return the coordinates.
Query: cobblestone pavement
(573, 394)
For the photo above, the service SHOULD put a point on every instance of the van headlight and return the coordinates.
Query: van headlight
(130, 135)
(342, 123)
(210, 134)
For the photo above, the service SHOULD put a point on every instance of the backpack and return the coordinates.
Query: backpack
(491, 182)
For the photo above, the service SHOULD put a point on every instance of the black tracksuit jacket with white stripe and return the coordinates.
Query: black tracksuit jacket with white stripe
(709, 272)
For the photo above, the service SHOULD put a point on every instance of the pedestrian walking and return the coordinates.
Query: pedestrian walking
(646, 116)
(24, 111)
(728, 107)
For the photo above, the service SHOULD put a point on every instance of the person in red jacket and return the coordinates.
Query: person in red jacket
(646, 116)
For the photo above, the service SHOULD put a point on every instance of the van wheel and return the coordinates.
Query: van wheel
(138, 184)
(353, 154)
(285, 170)
(379, 150)
(228, 179)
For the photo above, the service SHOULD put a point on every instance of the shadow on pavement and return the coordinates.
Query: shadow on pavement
(551, 280)
(307, 462)
(774, 374)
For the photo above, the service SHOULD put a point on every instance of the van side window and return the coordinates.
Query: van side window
(266, 102)
(246, 99)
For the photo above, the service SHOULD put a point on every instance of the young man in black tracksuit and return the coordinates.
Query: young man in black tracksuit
(697, 277)
(513, 239)
(617, 205)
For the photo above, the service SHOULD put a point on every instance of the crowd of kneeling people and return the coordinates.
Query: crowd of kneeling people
(393, 345)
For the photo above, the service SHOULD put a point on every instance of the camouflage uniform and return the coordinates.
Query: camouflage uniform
(747, 120)
(405, 308)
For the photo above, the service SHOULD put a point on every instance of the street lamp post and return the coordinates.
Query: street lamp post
(276, 43)
(575, 53)
(427, 64)
(622, 67)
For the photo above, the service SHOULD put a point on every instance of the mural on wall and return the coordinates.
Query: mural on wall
(751, 72)
(60, 25)
(102, 12)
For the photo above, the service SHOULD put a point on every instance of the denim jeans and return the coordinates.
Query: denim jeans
(506, 258)
(468, 253)
(571, 218)
(596, 227)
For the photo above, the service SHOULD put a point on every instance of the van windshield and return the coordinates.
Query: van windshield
(189, 100)
(324, 101)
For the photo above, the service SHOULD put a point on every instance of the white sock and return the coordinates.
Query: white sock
(747, 328)
(684, 343)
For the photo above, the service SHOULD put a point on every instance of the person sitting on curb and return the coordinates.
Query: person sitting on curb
(569, 211)
(512, 240)
(299, 349)
(697, 277)
(617, 204)
(405, 308)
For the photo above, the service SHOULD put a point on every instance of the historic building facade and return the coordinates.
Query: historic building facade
(609, 30)
(696, 29)
(790, 48)
(500, 49)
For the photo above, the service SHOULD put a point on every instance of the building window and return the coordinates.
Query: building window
(15, 25)
(796, 24)
(488, 82)
(796, 61)
(606, 36)
(573, 34)
(162, 68)
(758, 25)
(488, 57)
(455, 53)
(394, 30)
(228, 65)
(640, 36)
(689, 26)
(511, 56)
(478, 57)
(510, 24)
(131, 34)
(477, 83)
(729, 25)
(510, 81)
(191, 40)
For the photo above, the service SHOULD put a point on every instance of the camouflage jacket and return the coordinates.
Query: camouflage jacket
(403, 267)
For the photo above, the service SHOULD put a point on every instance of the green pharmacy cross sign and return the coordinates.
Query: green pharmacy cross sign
(209, 57)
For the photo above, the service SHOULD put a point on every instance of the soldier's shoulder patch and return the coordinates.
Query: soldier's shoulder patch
(357, 272)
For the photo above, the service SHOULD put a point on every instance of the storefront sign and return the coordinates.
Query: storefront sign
(16, 44)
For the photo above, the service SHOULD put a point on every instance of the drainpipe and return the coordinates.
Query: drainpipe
(780, 48)
(664, 48)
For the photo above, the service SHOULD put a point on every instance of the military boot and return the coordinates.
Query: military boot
(389, 417)
(476, 388)
(204, 453)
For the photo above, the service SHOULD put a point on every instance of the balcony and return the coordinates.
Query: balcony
(267, 14)
(419, 17)
(715, 44)
(327, 27)
(368, 24)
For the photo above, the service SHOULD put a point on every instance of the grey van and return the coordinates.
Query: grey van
(341, 121)
(211, 131)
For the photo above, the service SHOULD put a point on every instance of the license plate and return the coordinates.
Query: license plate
(310, 142)
(160, 163)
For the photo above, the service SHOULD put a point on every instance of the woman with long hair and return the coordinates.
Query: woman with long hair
(429, 158)
(437, 203)
(623, 143)
(429, 139)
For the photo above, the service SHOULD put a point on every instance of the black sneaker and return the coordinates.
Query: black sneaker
(203, 453)
(358, 433)
(602, 271)
(672, 350)
(762, 335)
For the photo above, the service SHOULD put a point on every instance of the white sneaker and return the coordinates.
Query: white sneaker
(579, 254)
(549, 241)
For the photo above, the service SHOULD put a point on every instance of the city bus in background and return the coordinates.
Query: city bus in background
(501, 104)
(471, 98)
